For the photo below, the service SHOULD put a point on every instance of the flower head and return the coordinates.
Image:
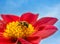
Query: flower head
(25, 29)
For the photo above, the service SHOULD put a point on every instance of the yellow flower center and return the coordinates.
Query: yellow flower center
(18, 29)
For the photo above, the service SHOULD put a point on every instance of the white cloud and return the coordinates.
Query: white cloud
(54, 11)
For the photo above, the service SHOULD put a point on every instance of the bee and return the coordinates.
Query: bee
(23, 24)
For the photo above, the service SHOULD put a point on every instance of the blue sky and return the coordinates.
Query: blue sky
(43, 7)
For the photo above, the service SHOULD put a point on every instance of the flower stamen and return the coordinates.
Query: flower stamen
(18, 29)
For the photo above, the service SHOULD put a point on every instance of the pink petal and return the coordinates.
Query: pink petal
(9, 17)
(46, 20)
(29, 17)
(45, 31)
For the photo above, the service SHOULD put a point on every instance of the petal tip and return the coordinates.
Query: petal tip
(37, 14)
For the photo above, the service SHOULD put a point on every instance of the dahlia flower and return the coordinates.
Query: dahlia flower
(25, 29)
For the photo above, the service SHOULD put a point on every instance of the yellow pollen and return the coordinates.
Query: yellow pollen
(18, 29)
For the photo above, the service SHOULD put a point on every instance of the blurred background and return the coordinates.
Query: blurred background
(42, 7)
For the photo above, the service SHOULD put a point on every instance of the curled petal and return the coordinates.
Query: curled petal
(34, 39)
(24, 41)
(4, 41)
(45, 31)
(2, 25)
(46, 20)
(29, 17)
(9, 18)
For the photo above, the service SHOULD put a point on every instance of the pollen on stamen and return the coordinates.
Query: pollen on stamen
(18, 29)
